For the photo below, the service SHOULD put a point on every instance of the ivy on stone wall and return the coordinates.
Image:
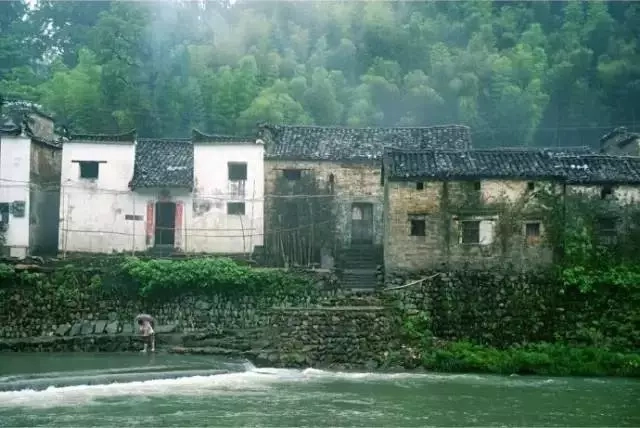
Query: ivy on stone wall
(594, 240)
(302, 221)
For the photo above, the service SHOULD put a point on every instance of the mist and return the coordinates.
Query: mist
(517, 73)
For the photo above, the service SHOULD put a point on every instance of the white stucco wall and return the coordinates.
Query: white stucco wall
(624, 193)
(209, 228)
(92, 211)
(14, 186)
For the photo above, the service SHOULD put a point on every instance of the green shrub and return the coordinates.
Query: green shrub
(164, 278)
(536, 359)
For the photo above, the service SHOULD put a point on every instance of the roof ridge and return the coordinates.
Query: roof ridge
(341, 127)
(598, 156)
(164, 140)
(124, 136)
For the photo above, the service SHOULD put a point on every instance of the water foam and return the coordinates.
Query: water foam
(245, 382)
(252, 380)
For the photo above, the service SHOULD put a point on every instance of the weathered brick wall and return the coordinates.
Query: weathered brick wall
(42, 127)
(401, 250)
(44, 198)
(444, 206)
(352, 183)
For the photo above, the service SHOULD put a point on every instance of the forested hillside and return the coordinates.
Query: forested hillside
(519, 73)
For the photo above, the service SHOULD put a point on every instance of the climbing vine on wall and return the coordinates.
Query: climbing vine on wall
(594, 240)
(302, 221)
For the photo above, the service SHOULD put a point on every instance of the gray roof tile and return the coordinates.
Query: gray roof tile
(163, 163)
(573, 168)
(355, 144)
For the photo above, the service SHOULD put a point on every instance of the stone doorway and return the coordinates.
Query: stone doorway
(362, 223)
(165, 224)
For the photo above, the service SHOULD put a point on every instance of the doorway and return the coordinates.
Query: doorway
(165, 224)
(362, 223)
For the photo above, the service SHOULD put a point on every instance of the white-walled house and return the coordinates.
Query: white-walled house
(228, 196)
(29, 181)
(122, 194)
(97, 209)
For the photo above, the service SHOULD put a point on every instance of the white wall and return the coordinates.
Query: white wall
(15, 168)
(209, 228)
(92, 212)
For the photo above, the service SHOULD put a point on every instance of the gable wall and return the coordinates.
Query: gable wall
(92, 211)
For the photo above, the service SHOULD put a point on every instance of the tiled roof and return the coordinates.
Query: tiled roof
(467, 164)
(344, 144)
(17, 119)
(567, 150)
(619, 136)
(200, 137)
(126, 137)
(163, 163)
(511, 163)
(600, 169)
(9, 129)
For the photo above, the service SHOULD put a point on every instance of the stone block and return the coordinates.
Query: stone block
(75, 329)
(87, 328)
(100, 326)
(111, 328)
(63, 330)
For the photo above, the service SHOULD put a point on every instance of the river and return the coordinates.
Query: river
(100, 390)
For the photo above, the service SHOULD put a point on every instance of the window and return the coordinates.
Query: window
(4, 215)
(532, 230)
(89, 169)
(606, 192)
(235, 208)
(607, 230)
(419, 185)
(477, 185)
(237, 171)
(292, 174)
(134, 217)
(470, 232)
(531, 186)
(418, 227)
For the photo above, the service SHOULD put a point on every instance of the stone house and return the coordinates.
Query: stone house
(198, 195)
(30, 161)
(488, 206)
(324, 200)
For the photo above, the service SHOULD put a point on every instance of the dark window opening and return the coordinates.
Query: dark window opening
(419, 185)
(134, 217)
(606, 192)
(607, 230)
(470, 232)
(89, 169)
(235, 208)
(531, 186)
(418, 227)
(477, 185)
(292, 174)
(4, 216)
(165, 223)
(532, 230)
(237, 171)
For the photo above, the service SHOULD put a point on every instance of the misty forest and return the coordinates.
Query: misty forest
(518, 73)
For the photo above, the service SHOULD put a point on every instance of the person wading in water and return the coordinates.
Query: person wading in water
(145, 324)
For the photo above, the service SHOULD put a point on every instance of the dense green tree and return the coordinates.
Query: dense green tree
(518, 73)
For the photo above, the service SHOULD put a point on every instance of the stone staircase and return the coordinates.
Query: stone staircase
(359, 267)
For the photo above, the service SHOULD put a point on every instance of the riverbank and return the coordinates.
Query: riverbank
(454, 321)
(453, 357)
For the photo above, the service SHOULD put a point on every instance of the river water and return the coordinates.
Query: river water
(100, 390)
